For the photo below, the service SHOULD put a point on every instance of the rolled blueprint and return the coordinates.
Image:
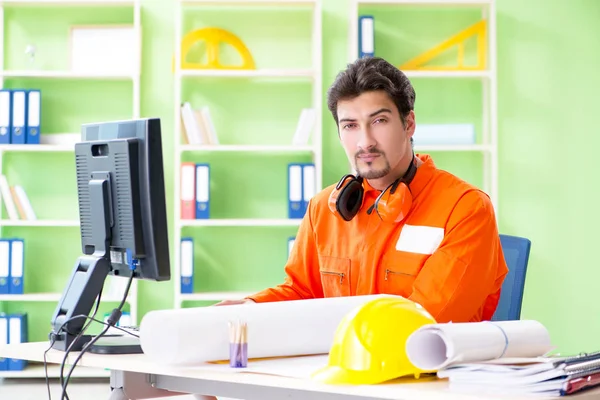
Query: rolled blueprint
(436, 346)
(285, 328)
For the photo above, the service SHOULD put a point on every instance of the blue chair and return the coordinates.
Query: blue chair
(516, 252)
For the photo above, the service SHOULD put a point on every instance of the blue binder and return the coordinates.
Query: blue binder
(17, 333)
(187, 265)
(291, 241)
(366, 36)
(4, 266)
(308, 184)
(295, 191)
(3, 339)
(19, 111)
(5, 115)
(202, 191)
(17, 266)
(34, 114)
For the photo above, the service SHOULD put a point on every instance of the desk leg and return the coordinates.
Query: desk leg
(118, 394)
(135, 386)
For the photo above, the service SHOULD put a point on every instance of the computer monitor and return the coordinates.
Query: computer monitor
(123, 218)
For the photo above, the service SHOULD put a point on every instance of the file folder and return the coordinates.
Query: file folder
(202, 191)
(187, 190)
(366, 36)
(187, 265)
(5, 115)
(34, 108)
(19, 104)
(17, 333)
(4, 266)
(3, 339)
(5, 269)
(308, 185)
(295, 192)
(16, 266)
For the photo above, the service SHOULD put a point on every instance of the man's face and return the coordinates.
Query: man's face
(373, 135)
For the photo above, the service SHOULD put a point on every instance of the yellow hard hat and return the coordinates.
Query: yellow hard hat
(369, 343)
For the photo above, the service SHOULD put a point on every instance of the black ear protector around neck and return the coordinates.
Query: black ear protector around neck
(347, 197)
(393, 203)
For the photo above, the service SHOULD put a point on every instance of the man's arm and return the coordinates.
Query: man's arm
(456, 280)
(303, 280)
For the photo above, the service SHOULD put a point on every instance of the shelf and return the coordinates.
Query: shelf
(245, 148)
(473, 147)
(248, 73)
(448, 74)
(428, 2)
(48, 297)
(249, 2)
(39, 223)
(37, 371)
(32, 297)
(69, 3)
(37, 147)
(212, 296)
(65, 75)
(240, 222)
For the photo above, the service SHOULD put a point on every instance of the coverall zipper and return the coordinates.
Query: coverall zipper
(340, 274)
(389, 271)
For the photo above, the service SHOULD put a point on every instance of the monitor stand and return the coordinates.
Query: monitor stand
(86, 283)
(117, 344)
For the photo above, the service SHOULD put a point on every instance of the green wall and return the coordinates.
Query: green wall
(547, 126)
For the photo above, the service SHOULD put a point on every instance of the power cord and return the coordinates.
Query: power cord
(114, 317)
(110, 323)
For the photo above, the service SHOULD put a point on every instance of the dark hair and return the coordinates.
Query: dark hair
(368, 74)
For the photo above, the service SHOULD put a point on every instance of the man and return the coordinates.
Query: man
(403, 226)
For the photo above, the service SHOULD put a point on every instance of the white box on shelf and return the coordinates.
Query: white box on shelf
(103, 49)
(444, 134)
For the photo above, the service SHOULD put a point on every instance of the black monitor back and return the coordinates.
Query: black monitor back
(130, 153)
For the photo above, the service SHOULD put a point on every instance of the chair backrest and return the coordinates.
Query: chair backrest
(516, 253)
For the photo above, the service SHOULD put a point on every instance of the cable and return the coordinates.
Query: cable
(112, 320)
(53, 340)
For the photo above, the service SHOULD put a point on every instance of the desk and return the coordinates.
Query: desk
(141, 378)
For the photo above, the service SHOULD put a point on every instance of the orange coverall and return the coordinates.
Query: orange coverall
(458, 277)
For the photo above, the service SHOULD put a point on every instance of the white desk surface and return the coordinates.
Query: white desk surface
(429, 388)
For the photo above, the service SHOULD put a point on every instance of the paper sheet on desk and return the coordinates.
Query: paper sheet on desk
(437, 346)
(286, 328)
(292, 367)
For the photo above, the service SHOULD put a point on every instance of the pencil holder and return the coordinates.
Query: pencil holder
(238, 345)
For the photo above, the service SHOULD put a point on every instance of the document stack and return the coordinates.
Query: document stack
(543, 376)
(500, 358)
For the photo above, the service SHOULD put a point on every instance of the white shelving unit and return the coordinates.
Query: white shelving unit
(37, 370)
(312, 74)
(488, 77)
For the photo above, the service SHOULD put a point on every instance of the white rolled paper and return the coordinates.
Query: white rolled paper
(285, 328)
(436, 346)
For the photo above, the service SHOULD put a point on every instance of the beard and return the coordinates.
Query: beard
(378, 168)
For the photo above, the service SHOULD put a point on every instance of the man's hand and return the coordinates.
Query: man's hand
(234, 302)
